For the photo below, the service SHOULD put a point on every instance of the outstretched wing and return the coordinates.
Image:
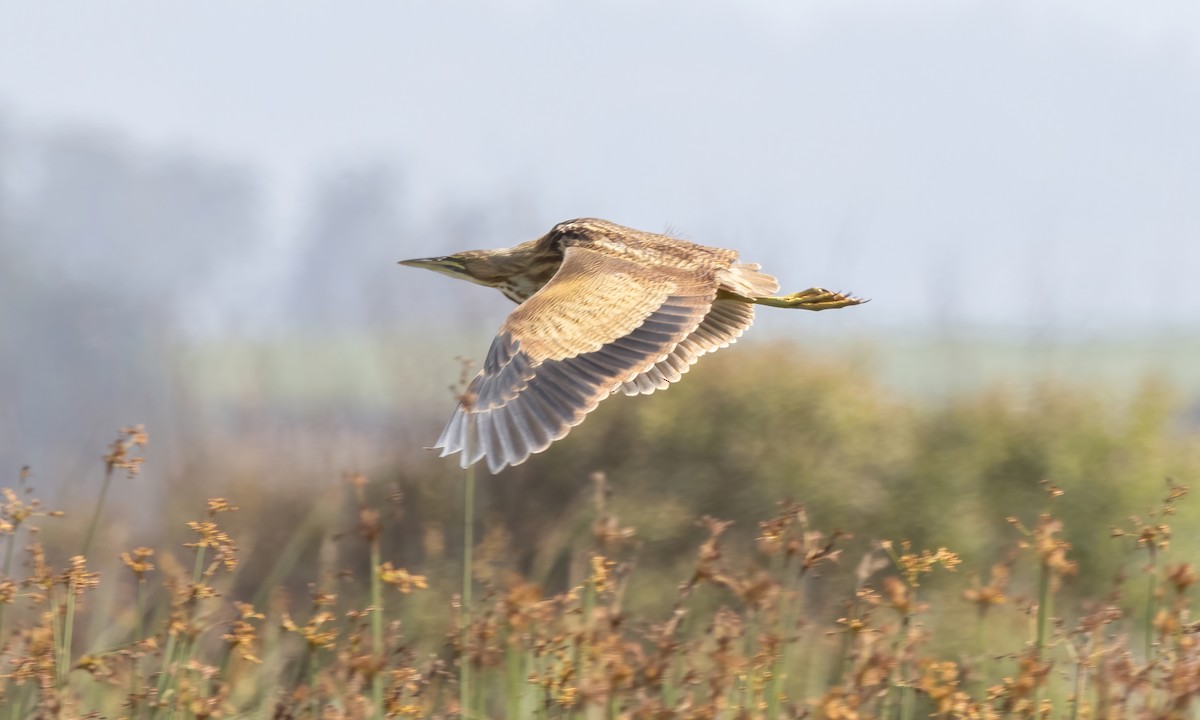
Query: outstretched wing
(600, 322)
(722, 326)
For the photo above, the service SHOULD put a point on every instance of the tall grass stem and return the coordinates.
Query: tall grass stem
(1043, 608)
(164, 675)
(10, 540)
(585, 634)
(95, 521)
(464, 688)
(68, 635)
(139, 633)
(377, 627)
(789, 614)
(1151, 602)
(314, 668)
(514, 677)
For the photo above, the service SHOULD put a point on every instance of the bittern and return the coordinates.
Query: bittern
(601, 308)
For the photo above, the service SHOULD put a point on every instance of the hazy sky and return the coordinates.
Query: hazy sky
(992, 163)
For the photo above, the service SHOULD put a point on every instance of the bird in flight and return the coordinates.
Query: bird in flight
(601, 309)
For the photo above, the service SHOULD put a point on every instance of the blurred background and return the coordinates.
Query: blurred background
(202, 205)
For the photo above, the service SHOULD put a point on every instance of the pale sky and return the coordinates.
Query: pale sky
(993, 163)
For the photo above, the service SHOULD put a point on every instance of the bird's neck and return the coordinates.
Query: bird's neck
(520, 271)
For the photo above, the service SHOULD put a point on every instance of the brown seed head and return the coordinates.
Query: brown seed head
(401, 579)
(138, 561)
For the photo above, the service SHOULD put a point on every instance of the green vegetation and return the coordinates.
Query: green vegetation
(777, 536)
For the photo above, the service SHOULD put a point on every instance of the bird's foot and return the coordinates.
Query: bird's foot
(812, 299)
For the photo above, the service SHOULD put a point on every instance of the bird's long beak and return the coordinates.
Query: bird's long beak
(446, 265)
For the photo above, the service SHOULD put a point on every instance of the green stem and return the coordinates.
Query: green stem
(847, 649)
(908, 701)
(91, 533)
(68, 632)
(314, 668)
(56, 630)
(1043, 614)
(168, 673)
(788, 616)
(540, 696)
(8, 554)
(981, 646)
(907, 696)
(163, 675)
(674, 679)
(584, 638)
(1151, 604)
(1080, 682)
(139, 628)
(1043, 607)
(189, 640)
(198, 568)
(748, 678)
(18, 706)
(889, 699)
(464, 686)
(138, 635)
(377, 627)
(514, 677)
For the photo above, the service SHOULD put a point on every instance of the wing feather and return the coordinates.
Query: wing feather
(721, 327)
(600, 322)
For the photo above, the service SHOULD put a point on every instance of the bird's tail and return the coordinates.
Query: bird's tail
(745, 280)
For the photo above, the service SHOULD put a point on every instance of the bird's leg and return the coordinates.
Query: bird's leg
(810, 299)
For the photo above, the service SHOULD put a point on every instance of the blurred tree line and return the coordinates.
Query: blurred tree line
(759, 424)
(117, 259)
(102, 247)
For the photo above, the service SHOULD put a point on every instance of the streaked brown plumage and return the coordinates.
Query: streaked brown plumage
(602, 308)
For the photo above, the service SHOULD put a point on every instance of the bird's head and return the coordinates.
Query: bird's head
(492, 267)
(473, 265)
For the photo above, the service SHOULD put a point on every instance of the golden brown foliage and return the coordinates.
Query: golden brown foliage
(779, 618)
